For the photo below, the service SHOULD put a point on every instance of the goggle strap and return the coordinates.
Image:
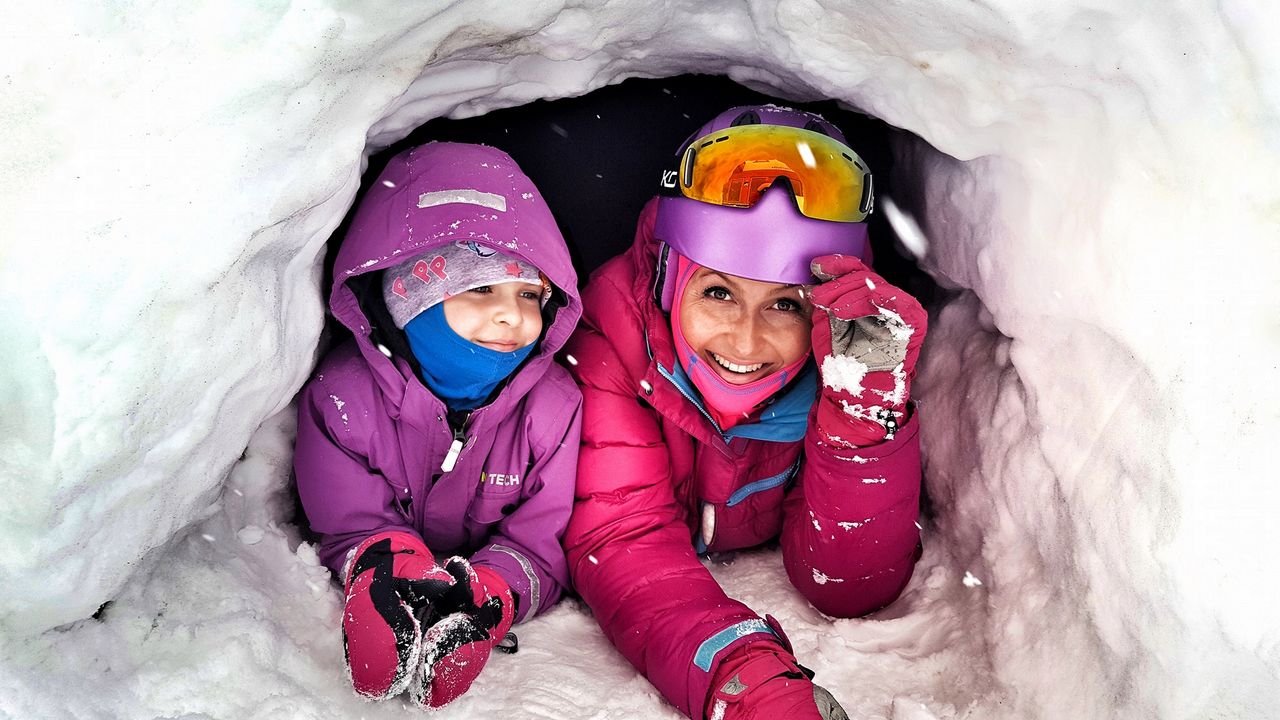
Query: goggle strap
(669, 183)
(660, 273)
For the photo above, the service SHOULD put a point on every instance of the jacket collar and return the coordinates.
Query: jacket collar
(670, 391)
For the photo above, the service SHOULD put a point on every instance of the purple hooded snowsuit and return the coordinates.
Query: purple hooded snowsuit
(372, 439)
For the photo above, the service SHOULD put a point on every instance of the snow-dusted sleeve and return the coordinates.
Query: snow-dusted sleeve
(344, 498)
(526, 548)
(850, 538)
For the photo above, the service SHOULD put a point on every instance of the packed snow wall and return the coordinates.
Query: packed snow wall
(1096, 183)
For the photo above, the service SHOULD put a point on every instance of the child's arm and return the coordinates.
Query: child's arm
(345, 499)
(525, 550)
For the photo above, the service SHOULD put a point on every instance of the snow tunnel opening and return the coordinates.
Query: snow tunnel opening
(596, 159)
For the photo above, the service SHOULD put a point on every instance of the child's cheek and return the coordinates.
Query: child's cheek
(459, 315)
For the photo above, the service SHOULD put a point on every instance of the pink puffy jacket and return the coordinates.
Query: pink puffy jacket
(655, 478)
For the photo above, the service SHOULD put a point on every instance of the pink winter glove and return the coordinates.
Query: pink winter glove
(762, 681)
(480, 610)
(391, 582)
(866, 338)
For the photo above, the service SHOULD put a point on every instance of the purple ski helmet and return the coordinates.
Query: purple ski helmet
(771, 240)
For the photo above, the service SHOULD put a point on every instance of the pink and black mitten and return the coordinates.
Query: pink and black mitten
(866, 338)
(456, 647)
(391, 581)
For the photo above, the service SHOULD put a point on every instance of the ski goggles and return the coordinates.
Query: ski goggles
(732, 167)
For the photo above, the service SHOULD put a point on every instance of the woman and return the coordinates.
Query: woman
(728, 400)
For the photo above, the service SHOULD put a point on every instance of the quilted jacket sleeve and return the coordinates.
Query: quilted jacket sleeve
(526, 549)
(345, 498)
(630, 552)
(850, 538)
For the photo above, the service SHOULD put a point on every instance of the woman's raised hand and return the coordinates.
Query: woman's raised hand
(866, 338)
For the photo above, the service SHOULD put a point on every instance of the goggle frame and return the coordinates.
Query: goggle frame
(811, 147)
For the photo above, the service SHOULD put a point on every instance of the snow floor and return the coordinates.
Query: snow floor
(239, 620)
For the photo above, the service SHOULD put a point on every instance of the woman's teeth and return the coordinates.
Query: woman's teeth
(731, 367)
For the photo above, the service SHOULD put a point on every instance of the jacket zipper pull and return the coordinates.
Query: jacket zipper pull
(455, 448)
(451, 458)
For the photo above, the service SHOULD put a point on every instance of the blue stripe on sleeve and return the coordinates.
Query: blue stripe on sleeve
(712, 646)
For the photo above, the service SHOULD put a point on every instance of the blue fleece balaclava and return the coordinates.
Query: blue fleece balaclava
(458, 371)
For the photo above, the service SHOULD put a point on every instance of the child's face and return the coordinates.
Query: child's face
(503, 317)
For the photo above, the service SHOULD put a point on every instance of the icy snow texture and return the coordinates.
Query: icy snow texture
(1097, 180)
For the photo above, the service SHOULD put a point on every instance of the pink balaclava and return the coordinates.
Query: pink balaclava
(728, 403)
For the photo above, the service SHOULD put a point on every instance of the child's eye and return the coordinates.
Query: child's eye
(483, 289)
(717, 292)
(531, 295)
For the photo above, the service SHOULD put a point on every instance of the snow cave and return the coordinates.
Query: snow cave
(1082, 195)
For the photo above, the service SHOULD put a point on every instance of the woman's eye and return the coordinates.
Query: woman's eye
(716, 292)
(788, 305)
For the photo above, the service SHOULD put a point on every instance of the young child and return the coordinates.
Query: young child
(443, 428)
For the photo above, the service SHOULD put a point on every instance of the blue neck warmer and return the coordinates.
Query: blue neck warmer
(458, 371)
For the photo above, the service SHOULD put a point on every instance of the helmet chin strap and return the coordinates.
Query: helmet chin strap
(728, 402)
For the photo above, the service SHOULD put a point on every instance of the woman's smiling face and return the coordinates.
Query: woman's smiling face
(744, 329)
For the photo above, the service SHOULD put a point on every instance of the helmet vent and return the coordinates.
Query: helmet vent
(815, 126)
(747, 118)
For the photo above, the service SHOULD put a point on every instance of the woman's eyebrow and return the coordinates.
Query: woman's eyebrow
(723, 278)
(783, 290)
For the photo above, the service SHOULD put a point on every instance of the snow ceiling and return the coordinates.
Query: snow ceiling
(1096, 181)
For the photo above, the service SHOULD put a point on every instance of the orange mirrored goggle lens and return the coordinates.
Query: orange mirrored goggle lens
(731, 167)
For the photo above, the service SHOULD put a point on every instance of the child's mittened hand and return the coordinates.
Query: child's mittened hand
(866, 339)
(456, 648)
(390, 584)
